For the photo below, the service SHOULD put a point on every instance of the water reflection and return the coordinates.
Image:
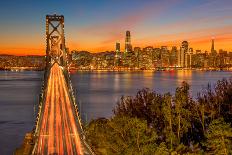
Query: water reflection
(98, 93)
(18, 94)
(116, 82)
(147, 79)
(184, 75)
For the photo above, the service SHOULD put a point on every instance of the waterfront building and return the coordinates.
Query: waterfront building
(117, 54)
(213, 51)
(146, 58)
(173, 57)
(164, 56)
(128, 46)
(156, 57)
(182, 54)
(188, 60)
(127, 56)
(213, 56)
(137, 51)
(198, 60)
(117, 47)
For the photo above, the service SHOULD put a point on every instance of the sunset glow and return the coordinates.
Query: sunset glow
(96, 26)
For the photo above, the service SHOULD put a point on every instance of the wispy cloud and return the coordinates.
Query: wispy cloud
(110, 31)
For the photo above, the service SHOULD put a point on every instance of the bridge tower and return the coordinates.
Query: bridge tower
(58, 128)
(55, 41)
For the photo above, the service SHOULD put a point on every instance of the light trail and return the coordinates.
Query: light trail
(58, 133)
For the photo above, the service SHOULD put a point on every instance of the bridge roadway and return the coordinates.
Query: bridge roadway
(58, 132)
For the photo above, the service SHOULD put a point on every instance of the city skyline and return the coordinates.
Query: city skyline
(98, 26)
(79, 92)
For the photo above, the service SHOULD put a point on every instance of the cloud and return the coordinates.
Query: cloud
(114, 30)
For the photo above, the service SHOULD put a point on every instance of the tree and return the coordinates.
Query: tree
(152, 123)
(162, 149)
(167, 110)
(123, 135)
(182, 114)
(146, 105)
(219, 137)
(95, 133)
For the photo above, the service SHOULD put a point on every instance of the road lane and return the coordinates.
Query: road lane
(58, 133)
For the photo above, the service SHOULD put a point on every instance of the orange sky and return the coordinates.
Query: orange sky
(153, 23)
(204, 43)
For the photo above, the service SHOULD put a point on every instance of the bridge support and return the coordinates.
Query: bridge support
(55, 40)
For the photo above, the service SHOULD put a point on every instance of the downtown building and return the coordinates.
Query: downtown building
(128, 46)
(117, 57)
(128, 56)
(185, 55)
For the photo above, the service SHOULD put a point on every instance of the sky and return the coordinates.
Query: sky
(95, 25)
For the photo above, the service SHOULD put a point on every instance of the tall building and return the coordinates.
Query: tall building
(128, 46)
(188, 60)
(213, 55)
(173, 57)
(117, 54)
(164, 56)
(117, 46)
(182, 54)
(137, 51)
(213, 51)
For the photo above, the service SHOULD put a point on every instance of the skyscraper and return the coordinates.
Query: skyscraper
(188, 60)
(213, 51)
(117, 47)
(182, 54)
(173, 59)
(128, 46)
(117, 54)
(137, 51)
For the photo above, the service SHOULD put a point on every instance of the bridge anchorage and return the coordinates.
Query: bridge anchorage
(58, 129)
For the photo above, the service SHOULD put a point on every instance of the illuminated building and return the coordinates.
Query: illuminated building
(146, 58)
(117, 46)
(173, 57)
(137, 51)
(213, 51)
(164, 55)
(181, 54)
(188, 56)
(117, 54)
(213, 55)
(198, 51)
(128, 54)
(128, 46)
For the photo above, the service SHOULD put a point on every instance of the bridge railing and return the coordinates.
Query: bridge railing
(76, 110)
(74, 106)
(42, 97)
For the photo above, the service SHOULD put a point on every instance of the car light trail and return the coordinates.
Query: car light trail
(58, 133)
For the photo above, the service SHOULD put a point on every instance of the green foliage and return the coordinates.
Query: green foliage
(95, 133)
(152, 123)
(122, 135)
(181, 111)
(219, 137)
(162, 149)
(146, 105)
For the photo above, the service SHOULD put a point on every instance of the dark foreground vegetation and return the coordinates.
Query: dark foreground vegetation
(161, 124)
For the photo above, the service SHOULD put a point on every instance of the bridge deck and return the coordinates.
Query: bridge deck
(58, 132)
